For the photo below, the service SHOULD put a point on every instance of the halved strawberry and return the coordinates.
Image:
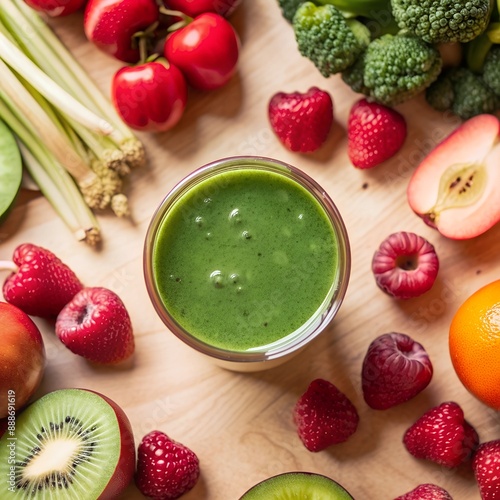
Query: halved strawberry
(375, 133)
(301, 120)
(426, 492)
(324, 416)
(442, 435)
(455, 188)
(486, 466)
(40, 284)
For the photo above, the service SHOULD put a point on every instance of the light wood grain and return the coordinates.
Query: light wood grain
(240, 425)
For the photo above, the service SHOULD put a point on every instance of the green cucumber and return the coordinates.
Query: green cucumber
(11, 170)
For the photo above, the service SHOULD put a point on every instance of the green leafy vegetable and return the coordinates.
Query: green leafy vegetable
(11, 171)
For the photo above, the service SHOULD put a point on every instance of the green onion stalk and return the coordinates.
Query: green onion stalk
(54, 181)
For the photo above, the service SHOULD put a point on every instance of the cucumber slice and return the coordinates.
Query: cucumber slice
(297, 486)
(11, 170)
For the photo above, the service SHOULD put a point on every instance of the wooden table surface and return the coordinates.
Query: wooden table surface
(240, 425)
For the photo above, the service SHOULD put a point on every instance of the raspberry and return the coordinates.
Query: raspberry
(166, 469)
(395, 369)
(405, 265)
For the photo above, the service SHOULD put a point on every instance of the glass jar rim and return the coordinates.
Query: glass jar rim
(338, 288)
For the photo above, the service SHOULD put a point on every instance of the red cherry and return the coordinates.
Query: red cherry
(150, 96)
(206, 50)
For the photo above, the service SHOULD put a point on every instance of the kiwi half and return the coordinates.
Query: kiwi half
(67, 445)
(297, 486)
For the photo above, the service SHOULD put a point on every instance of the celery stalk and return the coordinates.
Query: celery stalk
(55, 94)
(54, 181)
(54, 58)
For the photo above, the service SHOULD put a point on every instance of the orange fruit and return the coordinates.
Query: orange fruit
(474, 343)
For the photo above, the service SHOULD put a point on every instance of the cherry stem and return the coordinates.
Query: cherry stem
(185, 19)
(8, 265)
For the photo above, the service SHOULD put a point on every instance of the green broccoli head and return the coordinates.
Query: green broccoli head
(462, 92)
(438, 21)
(327, 38)
(440, 94)
(289, 7)
(395, 68)
(491, 69)
(378, 10)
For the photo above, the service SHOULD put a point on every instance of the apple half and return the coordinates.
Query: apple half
(456, 188)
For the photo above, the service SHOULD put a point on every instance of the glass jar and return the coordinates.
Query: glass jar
(233, 244)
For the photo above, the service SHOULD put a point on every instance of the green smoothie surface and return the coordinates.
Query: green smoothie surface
(244, 259)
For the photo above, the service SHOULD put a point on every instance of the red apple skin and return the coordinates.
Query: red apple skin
(22, 357)
(124, 472)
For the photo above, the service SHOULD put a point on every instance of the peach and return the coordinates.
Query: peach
(22, 358)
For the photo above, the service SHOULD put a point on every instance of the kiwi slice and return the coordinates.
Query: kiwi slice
(11, 170)
(66, 445)
(297, 486)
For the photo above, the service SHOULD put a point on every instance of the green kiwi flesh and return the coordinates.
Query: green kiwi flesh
(11, 170)
(297, 486)
(66, 445)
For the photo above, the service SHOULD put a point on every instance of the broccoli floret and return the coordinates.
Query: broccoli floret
(491, 70)
(463, 92)
(354, 77)
(394, 69)
(373, 9)
(327, 38)
(289, 7)
(441, 95)
(443, 20)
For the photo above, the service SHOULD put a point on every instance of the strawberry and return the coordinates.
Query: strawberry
(442, 435)
(166, 469)
(40, 284)
(405, 265)
(375, 133)
(426, 492)
(395, 369)
(324, 416)
(302, 121)
(486, 467)
(96, 325)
